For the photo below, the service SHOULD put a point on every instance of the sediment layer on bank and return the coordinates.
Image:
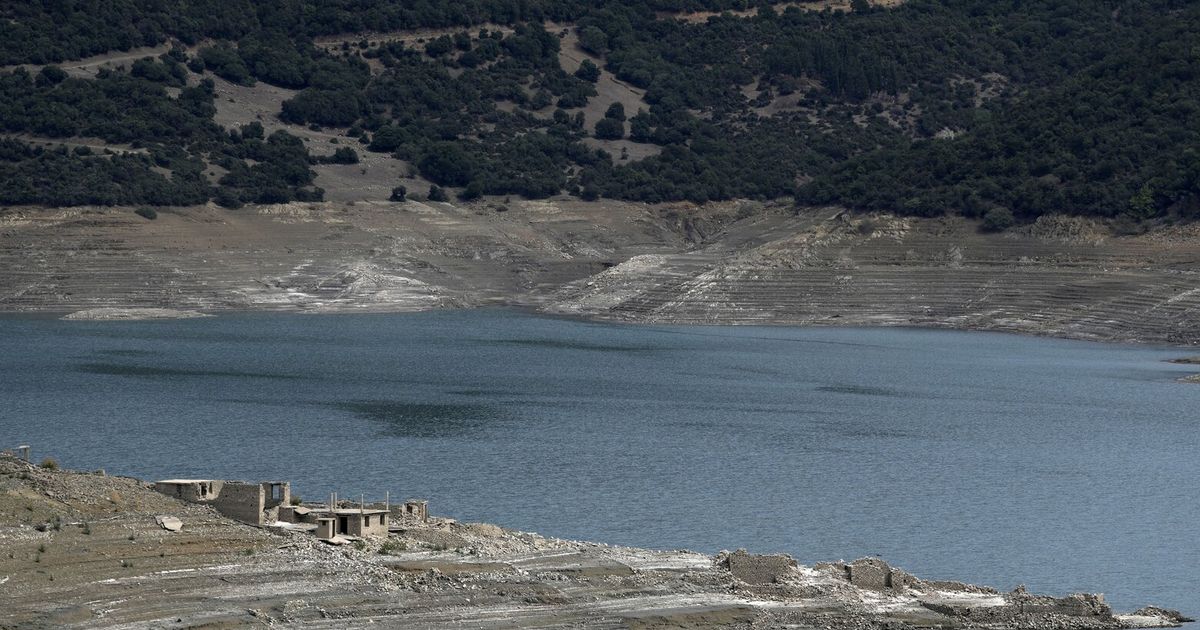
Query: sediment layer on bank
(733, 263)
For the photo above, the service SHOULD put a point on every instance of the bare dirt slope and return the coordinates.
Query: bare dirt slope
(386, 256)
(1061, 276)
(737, 262)
(85, 551)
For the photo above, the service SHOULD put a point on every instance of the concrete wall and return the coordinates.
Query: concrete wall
(367, 525)
(375, 525)
(241, 501)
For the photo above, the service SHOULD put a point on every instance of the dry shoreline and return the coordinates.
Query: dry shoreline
(731, 263)
(86, 550)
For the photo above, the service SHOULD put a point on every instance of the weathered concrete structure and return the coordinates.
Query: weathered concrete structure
(359, 521)
(21, 452)
(251, 503)
(326, 528)
(270, 503)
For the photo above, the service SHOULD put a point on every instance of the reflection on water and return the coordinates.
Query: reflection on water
(988, 458)
(861, 390)
(558, 344)
(407, 419)
(125, 353)
(120, 369)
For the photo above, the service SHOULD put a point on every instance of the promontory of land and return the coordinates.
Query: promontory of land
(86, 550)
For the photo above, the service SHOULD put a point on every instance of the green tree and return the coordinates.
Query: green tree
(447, 164)
(998, 220)
(593, 40)
(609, 129)
(588, 71)
(1141, 205)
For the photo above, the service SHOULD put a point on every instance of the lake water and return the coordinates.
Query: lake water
(991, 458)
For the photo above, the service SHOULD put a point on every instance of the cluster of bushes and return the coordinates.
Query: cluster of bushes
(1107, 123)
(58, 177)
(50, 31)
(997, 109)
(173, 140)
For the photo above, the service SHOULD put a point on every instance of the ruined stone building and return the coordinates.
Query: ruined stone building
(360, 521)
(251, 503)
(415, 510)
(269, 503)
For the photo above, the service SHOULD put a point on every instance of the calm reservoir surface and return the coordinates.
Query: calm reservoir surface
(991, 458)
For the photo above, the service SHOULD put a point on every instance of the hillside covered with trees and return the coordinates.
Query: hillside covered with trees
(999, 109)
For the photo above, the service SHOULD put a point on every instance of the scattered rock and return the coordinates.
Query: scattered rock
(486, 530)
(169, 523)
(1173, 616)
(1075, 605)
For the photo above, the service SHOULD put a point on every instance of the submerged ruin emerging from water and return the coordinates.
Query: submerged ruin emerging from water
(270, 504)
(89, 550)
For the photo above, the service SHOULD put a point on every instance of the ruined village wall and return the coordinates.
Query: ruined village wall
(241, 501)
(190, 491)
(177, 491)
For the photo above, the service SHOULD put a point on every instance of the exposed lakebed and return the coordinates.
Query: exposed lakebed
(983, 457)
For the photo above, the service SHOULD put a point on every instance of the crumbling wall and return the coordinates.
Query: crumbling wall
(757, 569)
(241, 501)
(183, 492)
(284, 493)
(411, 511)
(416, 510)
(871, 573)
(1076, 605)
(200, 491)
